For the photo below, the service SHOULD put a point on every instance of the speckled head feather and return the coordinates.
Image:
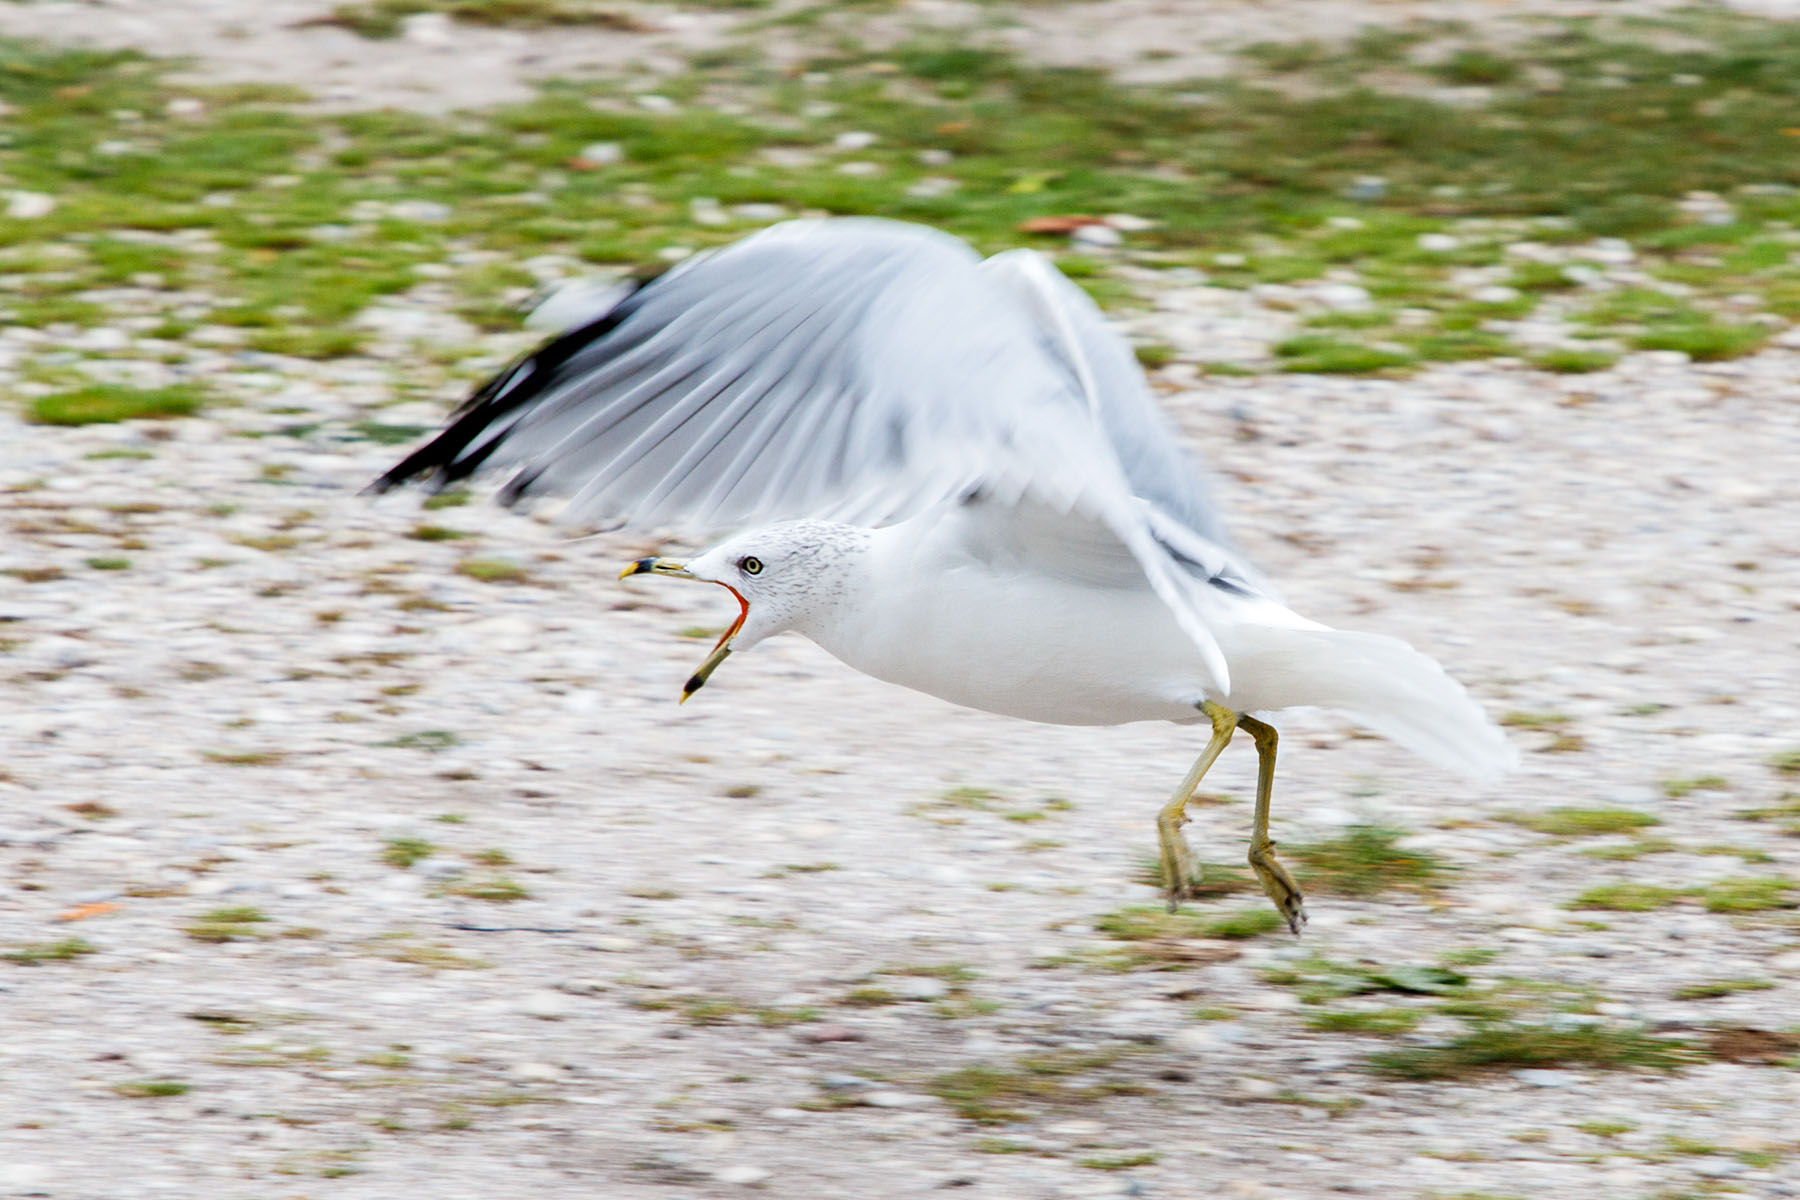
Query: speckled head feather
(791, 576)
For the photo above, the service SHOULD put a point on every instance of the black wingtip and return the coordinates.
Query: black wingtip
(445, 459)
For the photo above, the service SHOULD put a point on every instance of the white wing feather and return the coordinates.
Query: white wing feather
(858, 369)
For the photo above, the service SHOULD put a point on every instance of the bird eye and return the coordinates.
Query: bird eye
(750, 566)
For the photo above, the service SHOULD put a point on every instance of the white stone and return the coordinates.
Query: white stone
(1348, 297)
(1543, 1077)
(545, 1005)
(1438, 243)
(854, 140)
(759, 212)
(743, 1175)
(1129, 223)
(427, 29)
(1103, 236)
(916, 987)
(28, 206)
(891, 1099)
(933, 185)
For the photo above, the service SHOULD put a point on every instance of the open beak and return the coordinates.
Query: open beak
(657, 566)
(722, 648)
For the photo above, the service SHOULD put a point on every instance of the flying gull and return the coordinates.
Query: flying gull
(950, 474)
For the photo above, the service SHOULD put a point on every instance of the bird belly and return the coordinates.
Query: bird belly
(1038, 648)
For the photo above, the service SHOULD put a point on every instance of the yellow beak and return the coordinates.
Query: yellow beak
(657, 566)
(721, 651)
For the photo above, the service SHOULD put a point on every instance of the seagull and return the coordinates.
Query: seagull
(950, 474)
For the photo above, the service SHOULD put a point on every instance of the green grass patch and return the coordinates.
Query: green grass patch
(445, 500)
(246, 758)
(994, 1095)
(1318, 980)
(1740, 895)
(500, 890)
(1512, 1045)
(1378, 1022)
(1159, 939)
(106, 403)
(1322, 354)
(1748, 894)
(386, 18)
(1535, 720)
(1675, 789)
(403, 852)
(108, 562)
(1716, 988)
(1784, 812)
(151, 1089)
(1119, 1162)
(1571, 361)
(437, 533)
(1365, 861)
(493, 570)
(238, 923)
(33, 954)
(1605, 1129)
(1631, 851)
(1705, 341)
(432, 741)
(391, 435)
(1584, 822)
(1627, 897)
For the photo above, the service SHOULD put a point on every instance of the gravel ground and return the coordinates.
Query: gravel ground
(284, 680)
(437, 66)
(395, 880)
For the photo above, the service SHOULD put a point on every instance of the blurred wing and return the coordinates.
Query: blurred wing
(853, 368)
(1144, 440)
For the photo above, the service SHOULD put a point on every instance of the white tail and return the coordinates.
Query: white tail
(1377, 681)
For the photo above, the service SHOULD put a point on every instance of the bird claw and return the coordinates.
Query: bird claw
(1283, 892)
(1180, 875)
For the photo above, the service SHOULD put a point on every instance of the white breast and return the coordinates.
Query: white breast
(930, 616)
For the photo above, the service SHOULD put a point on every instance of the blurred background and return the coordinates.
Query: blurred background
(359, 848)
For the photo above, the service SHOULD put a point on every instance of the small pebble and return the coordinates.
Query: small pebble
(741, 1176)
(545, 1005)
(1100, 236)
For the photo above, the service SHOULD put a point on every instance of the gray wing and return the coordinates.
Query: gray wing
(1103, 367)
(853, 368)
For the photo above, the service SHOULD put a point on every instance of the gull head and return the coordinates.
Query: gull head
(786, 576)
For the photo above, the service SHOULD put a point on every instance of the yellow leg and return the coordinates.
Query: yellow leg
(1178, 871)
(1275, 879)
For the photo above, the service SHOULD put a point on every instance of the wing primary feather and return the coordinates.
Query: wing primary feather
(769, 368)
(505, 392)
(750, 443)
(589, 413)
(569, 436)
(622, 462)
